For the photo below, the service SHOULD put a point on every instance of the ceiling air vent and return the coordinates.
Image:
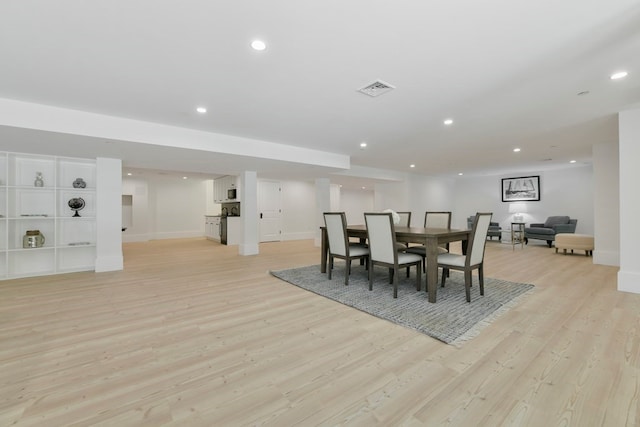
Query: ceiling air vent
(376, 88)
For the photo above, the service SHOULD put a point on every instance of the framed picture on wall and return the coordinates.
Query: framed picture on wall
(521, 189)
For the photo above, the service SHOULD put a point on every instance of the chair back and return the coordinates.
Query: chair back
(382, 237)
(437, 219)
(405, 219)
(478, 238)
(336, 223)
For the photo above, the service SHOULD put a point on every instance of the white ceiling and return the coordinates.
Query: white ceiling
(508, 72)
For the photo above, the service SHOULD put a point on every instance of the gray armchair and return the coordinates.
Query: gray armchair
(494, 228)
(552, 226)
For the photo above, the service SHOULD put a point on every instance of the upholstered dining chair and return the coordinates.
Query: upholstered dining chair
(405, 221)
(435, 220)
(473, 259)
(339, 245)
(383, 250)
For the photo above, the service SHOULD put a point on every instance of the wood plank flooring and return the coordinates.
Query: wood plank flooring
(191, 334)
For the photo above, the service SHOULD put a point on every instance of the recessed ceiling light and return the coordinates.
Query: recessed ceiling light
(412, 166)
(516, 150)
(201, 110)
(448, 122)
(364, 188)
(184, 177)
(258, 45)
(619, 75)
(572, 161)
(460, 173)
(363, 145)
(129, 174)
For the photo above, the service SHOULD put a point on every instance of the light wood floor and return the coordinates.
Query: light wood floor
(191, 334)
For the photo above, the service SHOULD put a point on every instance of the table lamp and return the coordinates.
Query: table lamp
(518, 209)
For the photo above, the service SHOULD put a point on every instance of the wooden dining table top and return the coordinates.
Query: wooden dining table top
(420, 233)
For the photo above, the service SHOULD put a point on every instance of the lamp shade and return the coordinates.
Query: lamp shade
(517, 207)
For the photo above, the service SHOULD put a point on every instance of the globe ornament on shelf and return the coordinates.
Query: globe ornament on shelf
(76, 204)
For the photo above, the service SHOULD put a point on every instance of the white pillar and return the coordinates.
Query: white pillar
(606, 203)
(249, 213)
(323, 204)
(109, 215)
(629, 134)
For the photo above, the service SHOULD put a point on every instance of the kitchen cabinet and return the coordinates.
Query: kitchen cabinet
(221, 187)
(35, 195)
(212, 227)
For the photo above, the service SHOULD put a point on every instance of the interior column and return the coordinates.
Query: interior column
(323, 204)
(249, 213)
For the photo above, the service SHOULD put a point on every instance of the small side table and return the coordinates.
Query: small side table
(517, 234)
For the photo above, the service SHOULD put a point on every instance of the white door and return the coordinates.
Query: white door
(269, 212)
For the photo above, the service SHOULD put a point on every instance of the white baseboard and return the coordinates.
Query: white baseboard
(303, 235)
(629, 281)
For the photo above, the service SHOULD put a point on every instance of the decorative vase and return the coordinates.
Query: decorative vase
(39, 182)
(33, 239)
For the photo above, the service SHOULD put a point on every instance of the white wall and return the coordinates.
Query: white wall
(354, 203)
(392, 195)
(298, 210)
(166, 207)
(566, 191)
(138, 228)
(430, 194)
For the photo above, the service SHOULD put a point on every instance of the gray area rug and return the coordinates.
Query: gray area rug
(451, 319)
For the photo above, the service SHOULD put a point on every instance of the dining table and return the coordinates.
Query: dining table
(430, 237)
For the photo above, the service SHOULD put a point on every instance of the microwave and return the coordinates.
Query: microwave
(231, 194)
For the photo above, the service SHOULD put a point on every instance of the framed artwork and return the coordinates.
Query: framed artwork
(521, 189)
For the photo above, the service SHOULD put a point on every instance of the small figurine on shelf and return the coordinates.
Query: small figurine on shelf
(39, 182)
(79, 183)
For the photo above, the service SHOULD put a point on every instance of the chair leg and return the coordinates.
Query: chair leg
(395, 284)
(347, 272)
(418, 277)
(330, 267)
(467, 284)
(481, 278)
(445, 273)
(408, 271)
(391, 275)
(370, 275)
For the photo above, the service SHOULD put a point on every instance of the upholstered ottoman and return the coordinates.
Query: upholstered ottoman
(582, 242)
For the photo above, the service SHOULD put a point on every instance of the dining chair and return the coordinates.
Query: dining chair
(474, 258)
(339, 245)
(435, 220)
(405, 221)
(382, 248)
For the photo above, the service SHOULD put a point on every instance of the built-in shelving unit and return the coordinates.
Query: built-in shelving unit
(30, 204)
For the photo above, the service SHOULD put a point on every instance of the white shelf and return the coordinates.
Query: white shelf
(70, 242)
